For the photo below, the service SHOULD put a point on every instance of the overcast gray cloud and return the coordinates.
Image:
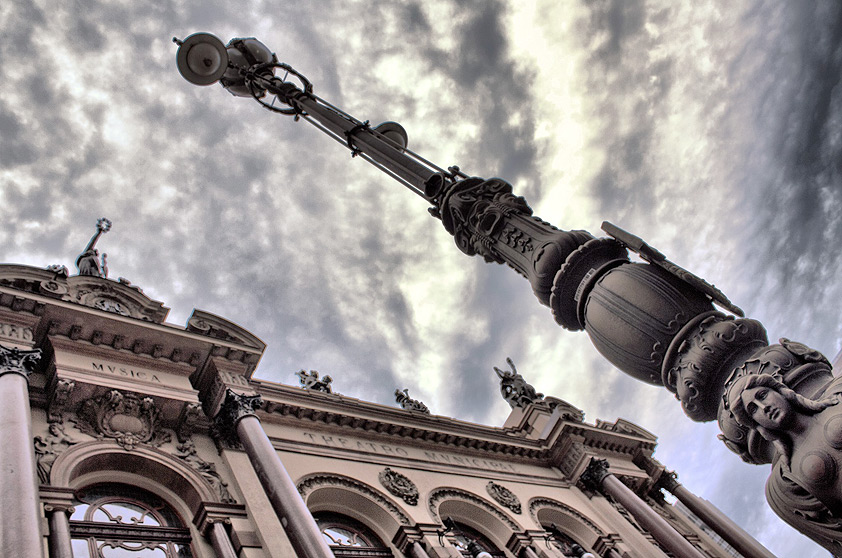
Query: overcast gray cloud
(710, 129)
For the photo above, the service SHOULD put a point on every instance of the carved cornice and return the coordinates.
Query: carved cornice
(18, 361)
(309, 484)
(417, 433)
(441, 494)
(399, 485)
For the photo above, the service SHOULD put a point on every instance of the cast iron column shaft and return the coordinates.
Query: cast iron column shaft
(238, 413)
(721, 524)
(20, 533)
(597, 477)
(358, 136)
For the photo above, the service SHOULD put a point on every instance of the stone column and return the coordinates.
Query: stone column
(596, 477)
(220, 540)
(528, 553)
(721, 524)
(60, 545)
(417, 551)
(237, 418)
(20, 533)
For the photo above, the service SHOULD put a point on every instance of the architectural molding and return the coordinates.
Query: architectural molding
(440, 495)
(537, 504)
(310, 484)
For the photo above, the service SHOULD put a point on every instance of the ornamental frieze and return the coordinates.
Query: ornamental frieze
(399, 485)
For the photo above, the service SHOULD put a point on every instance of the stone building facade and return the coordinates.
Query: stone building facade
(124, 435)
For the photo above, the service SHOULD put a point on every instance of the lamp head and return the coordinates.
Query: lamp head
(202, 59)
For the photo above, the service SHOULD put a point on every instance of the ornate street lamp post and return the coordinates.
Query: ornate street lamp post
(653, 320)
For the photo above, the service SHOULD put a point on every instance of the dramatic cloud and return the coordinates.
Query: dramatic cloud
(711, 130)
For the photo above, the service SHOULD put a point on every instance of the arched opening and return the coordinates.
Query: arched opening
(475, 517)
(113, 520)
(470, 541)
(348, 537)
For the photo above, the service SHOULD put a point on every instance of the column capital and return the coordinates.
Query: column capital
(668, 481)
(235, 407)
(594, 474)
(18, 361)
(210, 513)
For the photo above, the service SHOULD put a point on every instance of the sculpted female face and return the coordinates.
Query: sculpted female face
(767, 407)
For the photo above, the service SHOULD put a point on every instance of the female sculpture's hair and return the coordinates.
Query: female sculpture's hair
(799, 403)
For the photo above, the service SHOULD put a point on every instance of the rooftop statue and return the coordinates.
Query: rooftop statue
(514, 388)
(88, 262)
(311, 381)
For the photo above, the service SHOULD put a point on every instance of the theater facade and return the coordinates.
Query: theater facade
(124, 435)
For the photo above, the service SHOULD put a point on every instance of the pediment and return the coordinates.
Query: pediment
(216, 327)
(118, 297)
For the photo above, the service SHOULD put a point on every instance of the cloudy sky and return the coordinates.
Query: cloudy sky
(710, 129)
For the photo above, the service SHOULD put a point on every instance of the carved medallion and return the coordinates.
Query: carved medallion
(503, 496)
(124, 417)
(399, 485)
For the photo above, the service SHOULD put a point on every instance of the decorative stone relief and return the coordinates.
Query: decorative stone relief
(311, 382)
(503, 496)
(189, 417)
(406, 402)
(399, 485)
(49, 447)
(60, 396)
(186, 451)
(571, 459)
(124, 417)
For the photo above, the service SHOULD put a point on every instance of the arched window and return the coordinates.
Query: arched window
(561, 539)
(462, 536)
(348, 537)
(121, 521)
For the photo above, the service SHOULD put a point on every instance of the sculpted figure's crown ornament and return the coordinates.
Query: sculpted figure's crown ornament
(311, 382)
(406, 402)
(514, 388)
(88, 262)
